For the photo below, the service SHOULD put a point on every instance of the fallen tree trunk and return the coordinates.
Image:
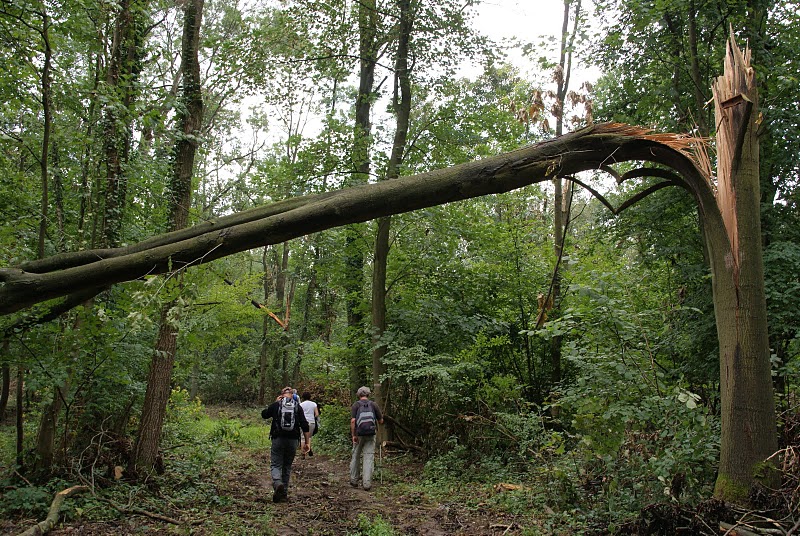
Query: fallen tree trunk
(43, 527)
(595, 147)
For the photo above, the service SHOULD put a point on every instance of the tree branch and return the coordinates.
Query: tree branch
(43, 527)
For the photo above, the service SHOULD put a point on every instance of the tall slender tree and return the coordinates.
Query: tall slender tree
(360, 172)
(561, 199)
(401, 105)
(190, 117)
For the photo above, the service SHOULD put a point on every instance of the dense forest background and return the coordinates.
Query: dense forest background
(530, 336)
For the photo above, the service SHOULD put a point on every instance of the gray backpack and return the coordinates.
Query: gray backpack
(287, 414)
(366, 424)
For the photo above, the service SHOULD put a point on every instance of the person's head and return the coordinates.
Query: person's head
(306, 396)
(363, 392)
(286, 392)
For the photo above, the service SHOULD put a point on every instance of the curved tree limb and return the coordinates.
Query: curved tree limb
(586, 149)
(659, 173)
(597, 195)
(641, 195)
(43, 527)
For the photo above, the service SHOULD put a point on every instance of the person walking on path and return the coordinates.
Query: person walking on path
(311, 412)
(288, 421)
(365, 418)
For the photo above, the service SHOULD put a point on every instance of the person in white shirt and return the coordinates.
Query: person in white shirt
(311, 411)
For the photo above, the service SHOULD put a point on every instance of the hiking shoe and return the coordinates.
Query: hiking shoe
(354, 484)
(279, 494)
(367, 487)
(310, 452)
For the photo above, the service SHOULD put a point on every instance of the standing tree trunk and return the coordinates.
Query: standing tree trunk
(263, 357)
(48, 121)
(749, 434)
(121, 79)
(5, 388)
(45, 441)
(20, 421)
(281, 349)
(190, 117)
(402, 110)
(563, 73)
(362, 141)
(264, 377)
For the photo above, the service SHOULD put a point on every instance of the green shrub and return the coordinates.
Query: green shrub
(376, 526)
(334, 430)
(31, 501)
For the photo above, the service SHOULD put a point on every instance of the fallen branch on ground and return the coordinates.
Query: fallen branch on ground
(140, 512)
(43, 527)
(403, 446)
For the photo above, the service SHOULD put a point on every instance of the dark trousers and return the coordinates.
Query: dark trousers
(281, 456)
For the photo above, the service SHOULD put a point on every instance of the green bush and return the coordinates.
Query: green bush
(31, 501)
(334, 430)
(376, 526)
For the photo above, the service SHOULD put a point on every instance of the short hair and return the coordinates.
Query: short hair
(363, 391)
(306, 396)
(286, 390)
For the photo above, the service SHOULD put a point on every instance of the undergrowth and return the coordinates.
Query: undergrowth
(193, 446)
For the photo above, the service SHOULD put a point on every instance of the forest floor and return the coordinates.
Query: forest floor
(321, 503)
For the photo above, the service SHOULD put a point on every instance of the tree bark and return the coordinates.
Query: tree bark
(360, 159)
(5, 383)
(402, 109)
(121, 79)
(594, 147)
(44, 159)
(264, 378)
(749, 434)
(190, 122)
(157, 394)
(43, 527)
(46, 437)
(20, 420)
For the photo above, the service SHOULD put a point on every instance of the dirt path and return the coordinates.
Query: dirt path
(322, 502)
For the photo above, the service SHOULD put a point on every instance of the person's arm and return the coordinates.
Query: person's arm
(269, 412)
(353, 430)
(316, 411)
(303, 422)
(378, 413)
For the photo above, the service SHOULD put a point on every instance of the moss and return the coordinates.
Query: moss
(727, 490)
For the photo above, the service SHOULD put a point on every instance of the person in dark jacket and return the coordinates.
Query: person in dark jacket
(284, 442)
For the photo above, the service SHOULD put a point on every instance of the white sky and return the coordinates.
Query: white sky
(530, 21)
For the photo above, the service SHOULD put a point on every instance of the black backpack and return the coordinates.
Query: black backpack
(287, 414)
(366, 424)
